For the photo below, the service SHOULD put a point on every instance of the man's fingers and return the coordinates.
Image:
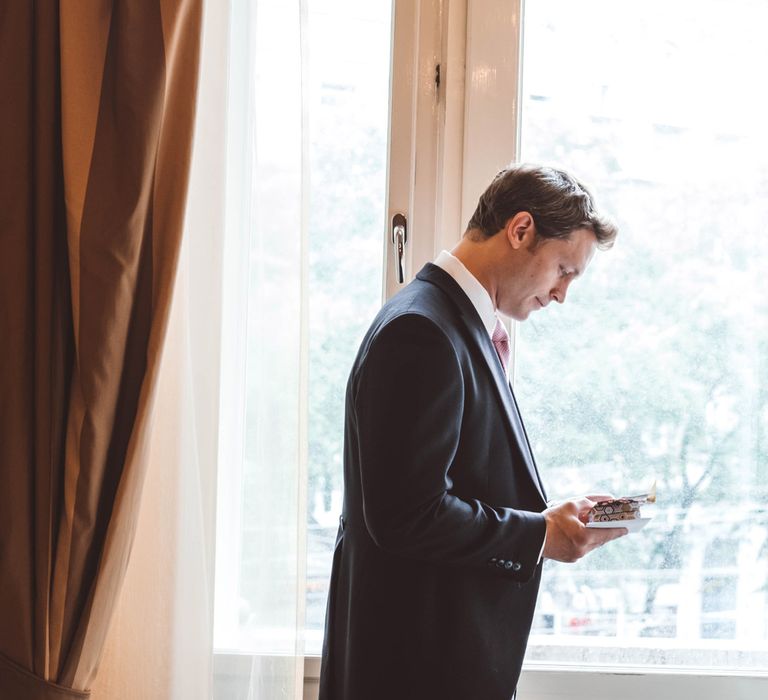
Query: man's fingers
(597, 537)
(621, 531)
(585, 504)
(596, 498)
(568, 537)
(608, 534)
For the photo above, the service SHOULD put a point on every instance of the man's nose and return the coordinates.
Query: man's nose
(559, 292)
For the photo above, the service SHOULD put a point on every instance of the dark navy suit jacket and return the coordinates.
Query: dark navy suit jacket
(435, 570)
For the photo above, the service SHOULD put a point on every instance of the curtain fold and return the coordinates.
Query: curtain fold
(163, 619)
(95, 133)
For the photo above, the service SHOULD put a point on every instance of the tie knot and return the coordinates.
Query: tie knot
(499, 332)
(500, 340)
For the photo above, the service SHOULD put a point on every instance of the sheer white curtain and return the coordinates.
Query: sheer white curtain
(223, 519)
(261, 519)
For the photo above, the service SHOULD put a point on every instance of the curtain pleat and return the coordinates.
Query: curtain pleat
(95, 132)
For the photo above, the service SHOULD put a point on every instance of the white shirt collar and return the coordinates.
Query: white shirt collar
(477, 294)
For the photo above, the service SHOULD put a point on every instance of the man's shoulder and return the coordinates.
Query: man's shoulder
(421, 298)
(428, 311)
(416, 334)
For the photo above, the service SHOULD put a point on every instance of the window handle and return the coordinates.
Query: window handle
(399, 239)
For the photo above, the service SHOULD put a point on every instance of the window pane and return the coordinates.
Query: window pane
(657, 368)
(308, 125)
(348, 113)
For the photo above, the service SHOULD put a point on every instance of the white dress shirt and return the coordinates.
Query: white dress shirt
(477, 294)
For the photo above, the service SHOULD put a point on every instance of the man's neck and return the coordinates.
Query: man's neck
(474, 256)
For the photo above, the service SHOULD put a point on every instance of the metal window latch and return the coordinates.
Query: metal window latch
(399, 239)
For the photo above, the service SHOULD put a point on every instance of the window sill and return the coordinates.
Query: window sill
(548, 682)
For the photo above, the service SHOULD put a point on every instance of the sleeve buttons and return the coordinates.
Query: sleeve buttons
(505, 564)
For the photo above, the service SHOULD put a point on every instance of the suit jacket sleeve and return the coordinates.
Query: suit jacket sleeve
(408, 395)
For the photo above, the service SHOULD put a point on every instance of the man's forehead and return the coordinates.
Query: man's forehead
(578, 249)
(590, 246)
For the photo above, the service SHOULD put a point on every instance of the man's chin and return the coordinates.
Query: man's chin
(518, 315)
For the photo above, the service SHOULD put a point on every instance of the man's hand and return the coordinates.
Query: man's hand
(568, 539)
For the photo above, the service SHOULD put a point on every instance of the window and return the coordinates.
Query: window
(657, 368)
(348, 121)
(308, 123)
(661, 353)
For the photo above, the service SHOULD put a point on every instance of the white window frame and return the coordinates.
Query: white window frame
(558, 683)
(447, 142)
(413, 161)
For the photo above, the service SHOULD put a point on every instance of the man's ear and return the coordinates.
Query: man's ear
(520, 230)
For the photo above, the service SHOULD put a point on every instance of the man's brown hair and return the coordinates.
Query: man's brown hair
(557, 201)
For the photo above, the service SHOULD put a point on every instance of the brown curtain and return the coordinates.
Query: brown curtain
(96, 115)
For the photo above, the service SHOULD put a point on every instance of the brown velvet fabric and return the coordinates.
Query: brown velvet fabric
(96, 115)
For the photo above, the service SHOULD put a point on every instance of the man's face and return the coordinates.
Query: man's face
(543, 273)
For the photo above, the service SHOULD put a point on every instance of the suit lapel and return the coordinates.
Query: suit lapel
(438, 276)
(527, 443)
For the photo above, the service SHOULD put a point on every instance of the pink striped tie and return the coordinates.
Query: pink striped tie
(500, 340)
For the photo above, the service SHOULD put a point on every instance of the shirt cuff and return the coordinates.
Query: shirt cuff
(543, 544)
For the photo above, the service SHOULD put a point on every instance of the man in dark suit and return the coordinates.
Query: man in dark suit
(445, 520)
